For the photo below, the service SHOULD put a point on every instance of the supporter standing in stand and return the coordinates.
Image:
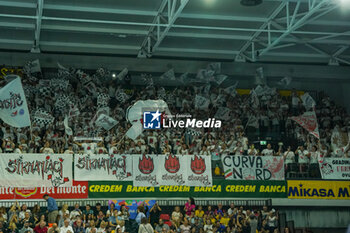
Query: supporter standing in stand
(52, 208)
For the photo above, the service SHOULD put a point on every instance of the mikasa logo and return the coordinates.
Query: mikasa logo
(192, 123)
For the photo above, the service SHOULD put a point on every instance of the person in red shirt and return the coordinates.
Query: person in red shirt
(41, 227)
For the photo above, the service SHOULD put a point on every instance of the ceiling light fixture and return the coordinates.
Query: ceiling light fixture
(251, 2)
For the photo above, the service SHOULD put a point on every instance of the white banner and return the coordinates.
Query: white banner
(198, 170)
(171, 172)
(13, 105)
(33, 170)
(335, 168)
(103, 167)
(253, 167)
(146, 170)
(158, 170)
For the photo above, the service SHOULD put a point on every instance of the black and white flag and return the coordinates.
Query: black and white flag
(106, 122)
(42, 118)
(223, 113)
(201, 102)
(102, 100)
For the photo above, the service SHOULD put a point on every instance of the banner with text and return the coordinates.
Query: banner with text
(157, 170)
(103, 167)
(318, 189)
(29, 170)
(335, 168)
(220, 188)
(79, 190)
(253, 167)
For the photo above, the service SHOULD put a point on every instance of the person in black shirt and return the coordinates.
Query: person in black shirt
(155, 214)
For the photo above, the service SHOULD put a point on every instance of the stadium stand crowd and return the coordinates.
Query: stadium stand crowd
(114, 219)
(251, 117)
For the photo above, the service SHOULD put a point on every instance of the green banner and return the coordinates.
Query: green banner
(220, 188)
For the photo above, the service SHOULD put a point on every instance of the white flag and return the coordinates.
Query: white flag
(254, 100)
(308, 101)
(232, 89)
(169, 75)
(122, 74)
(13, 105)
(204, 75)
(61, 67)
(201, 102)
(68, 129)
(134, 131)
(259, 77)
(220, 78)
(259, 91)
(35, 66)
(216, 67)
(285, 81)
(106, 122)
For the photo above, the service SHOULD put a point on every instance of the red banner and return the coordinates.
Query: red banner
(79, 190)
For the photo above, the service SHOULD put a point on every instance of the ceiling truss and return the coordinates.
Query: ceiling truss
(282, 29)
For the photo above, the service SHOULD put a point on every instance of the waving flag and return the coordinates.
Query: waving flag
(308, 121)
(13, 105)
(308, 101)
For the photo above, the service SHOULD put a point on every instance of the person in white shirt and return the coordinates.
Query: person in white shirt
(252, 150)
(46, 149)
(75, 212)
(66, 227)
(88, 147)
(314, 155)
(289, 156)
(268, 151)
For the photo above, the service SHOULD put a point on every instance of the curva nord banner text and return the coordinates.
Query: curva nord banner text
(33, 170)
(253, 167)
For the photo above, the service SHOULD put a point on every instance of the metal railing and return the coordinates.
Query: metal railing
(173, 202)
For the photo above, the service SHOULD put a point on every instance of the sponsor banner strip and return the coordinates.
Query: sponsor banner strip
(318, 189)
(79, 190)
(220, 188)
